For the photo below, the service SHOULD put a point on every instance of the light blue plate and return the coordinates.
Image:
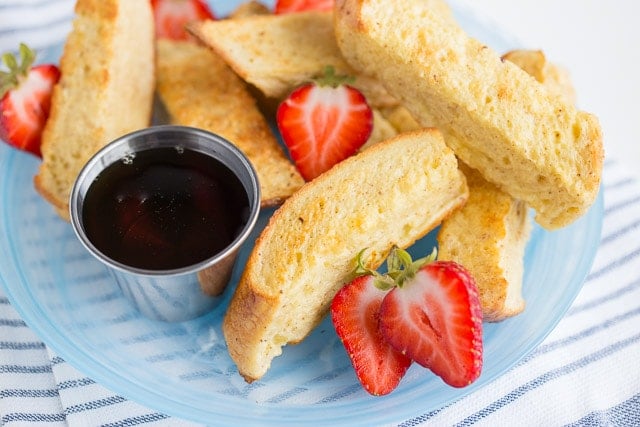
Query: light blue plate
(184, 370)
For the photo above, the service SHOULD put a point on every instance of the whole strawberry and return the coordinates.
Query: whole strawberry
(171, 16)
(323, 123)
(289, 6)
(25, 99)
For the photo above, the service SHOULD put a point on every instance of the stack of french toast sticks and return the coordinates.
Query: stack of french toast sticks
(464, 139)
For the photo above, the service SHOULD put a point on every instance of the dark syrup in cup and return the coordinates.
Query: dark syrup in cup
(164, 208)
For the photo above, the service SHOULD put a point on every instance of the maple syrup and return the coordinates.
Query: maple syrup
(164, 208)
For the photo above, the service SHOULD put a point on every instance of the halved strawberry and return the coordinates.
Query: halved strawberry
(354, 312)
(171, 16)
(433, 316)
(323, 123)
(25, 100)
(288, 6)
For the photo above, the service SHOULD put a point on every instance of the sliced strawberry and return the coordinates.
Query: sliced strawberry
(323, 123)
(25, 100)
(434, 317)
(288, 6)
(171, 16)
(354, 312)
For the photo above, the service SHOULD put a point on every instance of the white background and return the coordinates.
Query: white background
(598, 41)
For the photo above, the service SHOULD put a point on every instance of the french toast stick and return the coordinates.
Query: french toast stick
(105, 90)
(307, 250)
(249, 8)
(488, 235)
(277, 53)
(554, 77)
(531, 143)
(198, 89)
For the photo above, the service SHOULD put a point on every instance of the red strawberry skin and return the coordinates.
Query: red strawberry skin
(289, 6)
(24, 109)
(323, 125)
(435, 319)
(171, 16)
(354, 312)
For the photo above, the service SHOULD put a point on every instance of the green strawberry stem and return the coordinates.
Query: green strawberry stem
(10, 79)
(400, 268)
(330, 78)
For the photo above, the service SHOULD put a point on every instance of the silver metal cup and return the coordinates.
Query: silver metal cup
(183, 293)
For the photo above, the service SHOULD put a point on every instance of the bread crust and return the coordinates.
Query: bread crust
(531, 143)
(390, 194)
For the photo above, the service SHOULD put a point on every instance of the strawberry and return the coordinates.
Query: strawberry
(171, 16)
(323, 123)
(25, 100)
(433, 315)
(288, 6)
(354, 312)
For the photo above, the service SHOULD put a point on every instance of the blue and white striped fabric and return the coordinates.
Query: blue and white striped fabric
(586, 373)
(38, 23)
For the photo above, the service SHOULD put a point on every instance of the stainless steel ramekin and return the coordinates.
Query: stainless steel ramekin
(183, 293)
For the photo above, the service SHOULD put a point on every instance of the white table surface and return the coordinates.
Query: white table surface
(598, 42)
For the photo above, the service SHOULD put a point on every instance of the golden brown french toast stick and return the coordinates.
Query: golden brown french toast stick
(277, 53)
(488, 236)
(499, 120)
(390, 194)
(105, 90)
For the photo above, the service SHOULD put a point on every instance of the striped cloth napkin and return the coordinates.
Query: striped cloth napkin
(586, 373)
(36, 22)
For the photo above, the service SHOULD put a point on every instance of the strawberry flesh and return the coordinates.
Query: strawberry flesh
(323, 125)
(289, 6)
(171, 16)
(24, 109)
(355, 315)
(435, 319)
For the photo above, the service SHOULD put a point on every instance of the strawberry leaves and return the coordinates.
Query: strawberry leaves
(16, 70)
